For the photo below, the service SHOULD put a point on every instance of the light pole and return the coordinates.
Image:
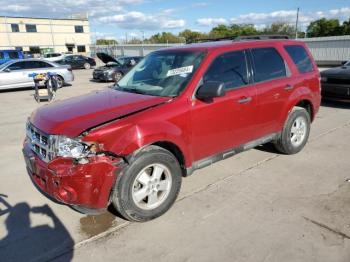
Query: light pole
(296, 24)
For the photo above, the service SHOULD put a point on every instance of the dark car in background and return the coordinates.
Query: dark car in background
(114, 68)
(335, 82)
(7, 55)
(77, 61)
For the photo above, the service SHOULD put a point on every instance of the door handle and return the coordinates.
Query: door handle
(288, 87)
(245, 100)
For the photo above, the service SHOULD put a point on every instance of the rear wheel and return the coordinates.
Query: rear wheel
(87, 66)
(149, 186)
(295, 132)
(60, 82)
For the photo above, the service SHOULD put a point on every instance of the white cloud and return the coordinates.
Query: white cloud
(14, 8)
(64, 8)
(211, 21)
(289, 16)
(141, 21)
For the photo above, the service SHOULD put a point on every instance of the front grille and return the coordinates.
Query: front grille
(40, 143)
(338, 81)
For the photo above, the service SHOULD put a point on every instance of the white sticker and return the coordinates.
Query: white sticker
(180, 71)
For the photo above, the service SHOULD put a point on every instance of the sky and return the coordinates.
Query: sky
(114, 19)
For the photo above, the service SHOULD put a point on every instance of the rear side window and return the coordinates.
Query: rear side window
(300, 58)
(1, 55)
(17, 66)
(229, 68)
(13, 55)
(36, 64)
(268, 64)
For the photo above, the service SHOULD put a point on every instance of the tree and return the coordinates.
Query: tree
(325, 27)
(280, 28)
(106, 42)
(233, 30)
(346, 27)
(190, 35)
(164, 37)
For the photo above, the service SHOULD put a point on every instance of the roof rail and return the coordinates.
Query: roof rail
(238, 38)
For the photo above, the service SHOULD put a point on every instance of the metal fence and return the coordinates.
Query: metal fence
(326, 50)
(329, 50)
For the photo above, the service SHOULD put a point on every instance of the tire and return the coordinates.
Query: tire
(136, 190)
(295, 133)
(87, 66)
(60, 82)
(117, 76)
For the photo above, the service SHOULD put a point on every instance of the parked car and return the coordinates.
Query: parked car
(53, 56)
(335, 82)
(15, 73)
(77, 61)
(7, 55)
(114, 69)
(178, 110)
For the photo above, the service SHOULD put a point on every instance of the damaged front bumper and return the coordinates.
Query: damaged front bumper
(65, 180)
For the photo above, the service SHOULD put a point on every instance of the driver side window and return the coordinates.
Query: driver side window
(229, 68)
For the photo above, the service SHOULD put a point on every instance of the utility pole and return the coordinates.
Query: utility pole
(296, 24)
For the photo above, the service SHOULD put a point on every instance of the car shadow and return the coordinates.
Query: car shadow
(268, 148)
(341, 104)
(44, 239)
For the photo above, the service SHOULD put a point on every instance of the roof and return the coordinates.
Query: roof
(229, 43)
(48, 18)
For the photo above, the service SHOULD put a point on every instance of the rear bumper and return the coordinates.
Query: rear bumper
(65, 181)
(335, 91)
(69, 77)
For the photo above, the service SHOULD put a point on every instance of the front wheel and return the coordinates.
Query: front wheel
(149, 186)
(295, 132)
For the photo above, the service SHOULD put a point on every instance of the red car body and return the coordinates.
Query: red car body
(194, 131)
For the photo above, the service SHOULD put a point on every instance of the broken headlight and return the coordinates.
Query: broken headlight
(69, 147)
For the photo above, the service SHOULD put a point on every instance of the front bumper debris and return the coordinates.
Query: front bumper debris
(66, 181)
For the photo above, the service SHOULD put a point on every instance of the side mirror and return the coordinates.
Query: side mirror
(7, 70)
(211, 89)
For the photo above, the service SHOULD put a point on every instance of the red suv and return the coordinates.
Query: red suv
(178, 110)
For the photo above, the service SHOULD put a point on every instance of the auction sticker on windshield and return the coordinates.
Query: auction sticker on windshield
(180, 71)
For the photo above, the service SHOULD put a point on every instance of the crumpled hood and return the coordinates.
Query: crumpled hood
(73, 116)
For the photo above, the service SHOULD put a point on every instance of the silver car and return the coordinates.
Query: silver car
(15, 73)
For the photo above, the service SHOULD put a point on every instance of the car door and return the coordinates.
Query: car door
(226, 122)
(13, 76)
(79, 61)
(270, 75)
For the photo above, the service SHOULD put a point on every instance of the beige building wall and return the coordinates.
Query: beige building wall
(58, 34)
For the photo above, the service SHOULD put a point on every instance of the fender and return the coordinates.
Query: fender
(298, 95)
(125, 139)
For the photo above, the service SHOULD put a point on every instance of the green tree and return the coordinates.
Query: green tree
(325, 27)
(279, 28)
(190, 35)
(106, 42)
(346, 27)
(233, 30)
(164, 37)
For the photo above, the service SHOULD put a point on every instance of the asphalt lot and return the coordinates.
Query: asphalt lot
(256, 206)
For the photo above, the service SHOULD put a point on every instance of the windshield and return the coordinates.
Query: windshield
(347, 63)
(5, 65)
(164, 73)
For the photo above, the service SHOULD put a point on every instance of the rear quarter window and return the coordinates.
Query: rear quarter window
(2, 55)
(300, 58)
(268, 64)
